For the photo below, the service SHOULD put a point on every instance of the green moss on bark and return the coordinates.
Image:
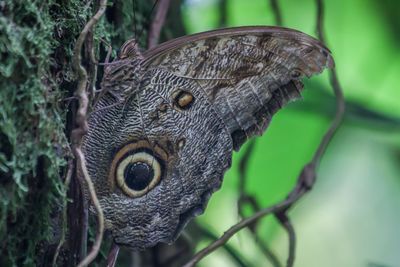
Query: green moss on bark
(30, 128)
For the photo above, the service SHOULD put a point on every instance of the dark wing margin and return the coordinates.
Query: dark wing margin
(247, 73)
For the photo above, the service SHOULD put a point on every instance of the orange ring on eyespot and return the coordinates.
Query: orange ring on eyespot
(141, 152)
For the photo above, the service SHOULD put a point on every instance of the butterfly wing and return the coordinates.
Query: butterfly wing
(157, 156)
(247, 73)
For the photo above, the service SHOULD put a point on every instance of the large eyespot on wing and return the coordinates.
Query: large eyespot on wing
(247, 73)
(137, 168)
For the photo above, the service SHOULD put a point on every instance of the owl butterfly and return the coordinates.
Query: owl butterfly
(163, 133)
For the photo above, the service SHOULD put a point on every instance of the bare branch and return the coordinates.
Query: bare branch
(230, 250)
(245, 198)
(301, 187)
(92, 68)
(100, 217)
(223, 13)
(306, 177)
(157, 23)
(287, 225)
(82, 127)
(277, 12)
(243, 166)
(67, 181)
(236, 228)
(305, 181)
(109, 52)
(268, 253)
(112, 255)
(340, 103)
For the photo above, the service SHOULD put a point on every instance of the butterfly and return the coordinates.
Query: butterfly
(164, 129)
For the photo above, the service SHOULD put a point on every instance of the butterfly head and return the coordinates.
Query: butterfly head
(130, 50)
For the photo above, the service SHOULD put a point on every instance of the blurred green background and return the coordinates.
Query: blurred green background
(352, 216)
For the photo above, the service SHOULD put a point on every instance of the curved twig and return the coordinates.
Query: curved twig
(305, 180)
(268, 253)
(100, 217)
(301, 187)
(237, 227)
(223, 13)
(277, 12)
(245, 198)
(287, 225)
(67, 181)
(230, 250)
(337, 89)
(82, 127)
(112, 255)
(157, 23)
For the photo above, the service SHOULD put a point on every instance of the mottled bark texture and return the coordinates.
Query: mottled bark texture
(36, 103)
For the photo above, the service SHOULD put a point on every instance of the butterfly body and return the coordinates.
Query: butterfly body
(163, 133)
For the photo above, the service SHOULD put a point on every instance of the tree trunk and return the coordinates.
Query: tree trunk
(37, 109)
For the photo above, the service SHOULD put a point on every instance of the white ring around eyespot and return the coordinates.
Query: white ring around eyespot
(138, 157)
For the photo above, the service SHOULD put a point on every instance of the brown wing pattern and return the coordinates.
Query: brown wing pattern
(247, 73)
